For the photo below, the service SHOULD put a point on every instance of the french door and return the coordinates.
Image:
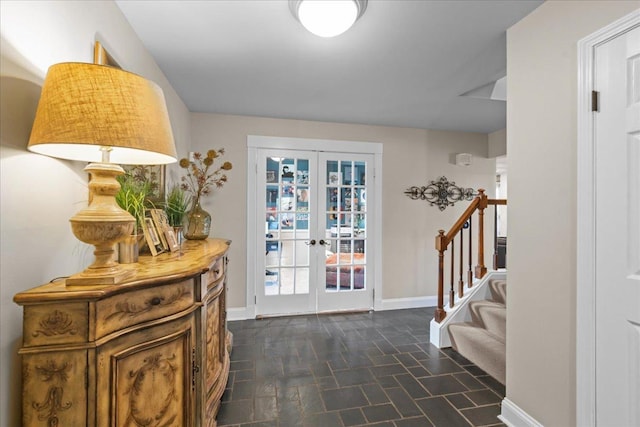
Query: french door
(314, 246)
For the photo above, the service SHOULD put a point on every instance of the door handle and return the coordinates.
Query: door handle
(311, 242)
(323, 242)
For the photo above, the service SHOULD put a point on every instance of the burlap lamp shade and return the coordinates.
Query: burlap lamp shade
(107, 116)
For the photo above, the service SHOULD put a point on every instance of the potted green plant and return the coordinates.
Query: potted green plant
(132, 197)
(175, 206)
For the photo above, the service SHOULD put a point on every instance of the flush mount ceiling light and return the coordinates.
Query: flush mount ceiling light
(327, 18)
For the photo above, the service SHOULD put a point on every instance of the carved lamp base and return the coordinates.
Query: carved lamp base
(102, 224)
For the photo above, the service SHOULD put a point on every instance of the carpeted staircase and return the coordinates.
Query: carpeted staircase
(482, 340)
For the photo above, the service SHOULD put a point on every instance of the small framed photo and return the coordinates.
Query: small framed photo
(272, 177)
(286, 220)
(334, 178)
(172, 240)
(287, 171)
(152, 238)
(162, 225)
(286, 204)
(302, 177)
(302, 195)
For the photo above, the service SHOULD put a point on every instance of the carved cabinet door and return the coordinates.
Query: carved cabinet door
(54, 390)
(147, 379)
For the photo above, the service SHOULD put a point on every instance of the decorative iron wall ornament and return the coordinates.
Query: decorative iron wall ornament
(441, 193)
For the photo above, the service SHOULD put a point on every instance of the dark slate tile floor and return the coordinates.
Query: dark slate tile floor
(365, 369)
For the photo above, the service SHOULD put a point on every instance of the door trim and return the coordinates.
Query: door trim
(256, 142)
(586, 221)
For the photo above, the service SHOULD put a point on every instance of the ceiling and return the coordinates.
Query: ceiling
(404, 63)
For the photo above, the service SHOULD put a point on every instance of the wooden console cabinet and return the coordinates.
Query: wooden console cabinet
(153, 351)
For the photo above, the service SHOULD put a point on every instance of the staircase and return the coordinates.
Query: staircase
(473, 321)
(482, 340)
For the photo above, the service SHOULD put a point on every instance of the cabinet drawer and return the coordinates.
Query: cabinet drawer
(216, 271)
(129, 309)
(55, 324)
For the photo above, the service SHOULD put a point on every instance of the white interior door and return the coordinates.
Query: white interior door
(344, 279)
(313, 232)
(286, 210)
(617, 188)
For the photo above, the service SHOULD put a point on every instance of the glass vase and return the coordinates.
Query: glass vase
(197, 222)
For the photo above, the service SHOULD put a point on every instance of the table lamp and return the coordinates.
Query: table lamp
(101, 114)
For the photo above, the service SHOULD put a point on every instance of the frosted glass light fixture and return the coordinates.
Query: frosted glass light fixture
(327, 18)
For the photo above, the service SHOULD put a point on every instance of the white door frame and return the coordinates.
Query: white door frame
(586, 222)
(254, 143)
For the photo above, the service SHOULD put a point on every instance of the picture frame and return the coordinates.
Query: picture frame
(286, 204)
(302, 195)
(286, 221)
(272, 177)
(172, 240)
(154, 174)
(333, 196)
(335, 178)
(161, 221)
(302, 177)
(151, 236)
(288, 171)
(347, 204)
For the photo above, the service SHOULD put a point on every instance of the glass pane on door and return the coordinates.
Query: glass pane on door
(287, 204)
(346, 231)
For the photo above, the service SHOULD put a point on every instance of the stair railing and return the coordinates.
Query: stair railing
(443, 241)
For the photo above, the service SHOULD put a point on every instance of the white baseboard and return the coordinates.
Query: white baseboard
(513, 416)
(242, 313)
(402, 303)
(238, 313)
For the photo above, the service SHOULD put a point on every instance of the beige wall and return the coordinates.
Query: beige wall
(39, 194)
(497, 143)
(541, 127)
(411, 157)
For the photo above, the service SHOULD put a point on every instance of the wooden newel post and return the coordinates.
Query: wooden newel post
(481, 270)
(441, 247)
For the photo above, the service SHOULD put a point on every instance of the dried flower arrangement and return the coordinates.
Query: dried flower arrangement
(200, 180)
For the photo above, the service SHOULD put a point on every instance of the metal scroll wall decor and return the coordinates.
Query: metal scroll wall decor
(441, 193)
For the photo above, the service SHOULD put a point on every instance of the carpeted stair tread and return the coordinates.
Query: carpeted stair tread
(481, 347)
(475, 306)
(491, 316)
(482, 340)
(498, 290)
